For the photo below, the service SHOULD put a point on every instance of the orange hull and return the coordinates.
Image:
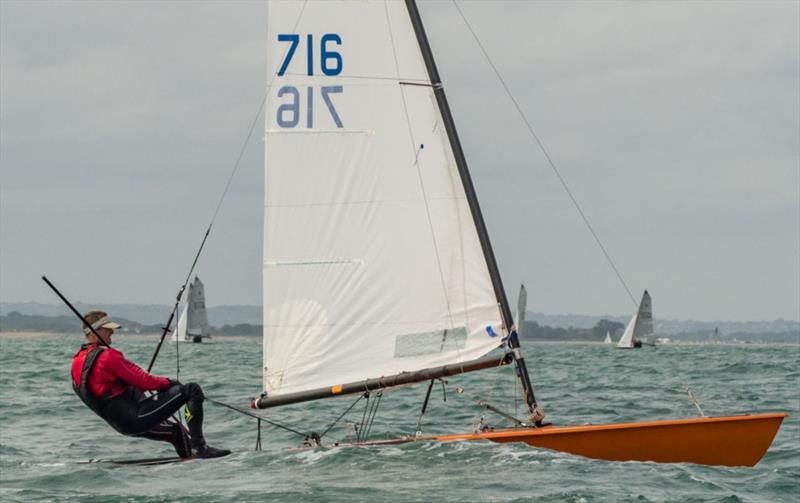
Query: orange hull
(729, 441)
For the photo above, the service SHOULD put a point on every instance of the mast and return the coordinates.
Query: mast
(477, 216)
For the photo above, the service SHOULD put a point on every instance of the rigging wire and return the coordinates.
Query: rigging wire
(417, 148)
(221, 199)
(203, 243)
(335, 421)
(371, 419)
(257, 416)
(177, 351)
(546, 154)
(561, 179)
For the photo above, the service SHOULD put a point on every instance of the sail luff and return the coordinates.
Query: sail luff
(461, 163)
(474, 206)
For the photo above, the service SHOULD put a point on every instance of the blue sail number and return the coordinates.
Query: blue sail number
(288, 114)
(331, 64)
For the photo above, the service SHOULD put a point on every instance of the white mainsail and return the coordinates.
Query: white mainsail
(179, 333)
(626, 341)
(607, 340)
(641, 324)
(372, 262)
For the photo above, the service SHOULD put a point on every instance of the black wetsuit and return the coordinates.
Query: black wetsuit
(132, 413)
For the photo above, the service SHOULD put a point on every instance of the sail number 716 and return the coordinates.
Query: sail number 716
(330, 60)
(288, 113)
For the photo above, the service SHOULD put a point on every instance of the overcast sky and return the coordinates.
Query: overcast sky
(676, 126)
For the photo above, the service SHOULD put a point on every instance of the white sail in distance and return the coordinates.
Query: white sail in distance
(179, 333)
(626, 341)
(644, 327)
(522, 303)
(197, 319)
(372, 262)
(641, 324)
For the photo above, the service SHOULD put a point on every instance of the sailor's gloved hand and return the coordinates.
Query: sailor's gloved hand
(173, 382)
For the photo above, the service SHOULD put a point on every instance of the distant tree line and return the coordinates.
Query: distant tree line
(533, 331)
(16, 322)
(238, 329)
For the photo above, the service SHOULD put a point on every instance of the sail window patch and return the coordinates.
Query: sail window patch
(425, 343)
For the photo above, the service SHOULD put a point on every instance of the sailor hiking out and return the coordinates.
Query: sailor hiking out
(114, 388)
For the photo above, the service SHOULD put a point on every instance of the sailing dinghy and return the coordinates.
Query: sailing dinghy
(179, 333)
(378, 270)
(640, 326)
(192, 325)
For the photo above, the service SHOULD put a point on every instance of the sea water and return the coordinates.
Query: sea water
(45, 431)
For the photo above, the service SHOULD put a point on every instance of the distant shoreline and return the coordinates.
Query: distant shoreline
(117, 336)
(25, 335)
(527, 342)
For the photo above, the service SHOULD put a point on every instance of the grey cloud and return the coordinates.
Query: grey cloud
(675, 123)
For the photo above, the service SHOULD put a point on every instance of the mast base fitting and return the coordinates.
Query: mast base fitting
(536, 416)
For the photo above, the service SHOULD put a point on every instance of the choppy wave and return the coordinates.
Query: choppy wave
(45, 431)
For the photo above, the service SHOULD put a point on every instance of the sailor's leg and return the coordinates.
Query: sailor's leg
(157, 408)
(194, 413)
(194, 419)
(173, 433)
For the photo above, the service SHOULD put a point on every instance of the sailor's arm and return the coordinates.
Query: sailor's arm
(136, 376)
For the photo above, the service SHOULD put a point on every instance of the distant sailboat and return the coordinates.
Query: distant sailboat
(522, 301)
(640, 326)
(192, 323)
(607, 340)
(179, 334)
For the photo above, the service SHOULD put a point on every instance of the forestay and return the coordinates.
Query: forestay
(372, 262)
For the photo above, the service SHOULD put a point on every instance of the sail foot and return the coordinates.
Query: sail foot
(265, 401)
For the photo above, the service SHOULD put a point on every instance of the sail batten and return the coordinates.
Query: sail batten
(373, 264)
